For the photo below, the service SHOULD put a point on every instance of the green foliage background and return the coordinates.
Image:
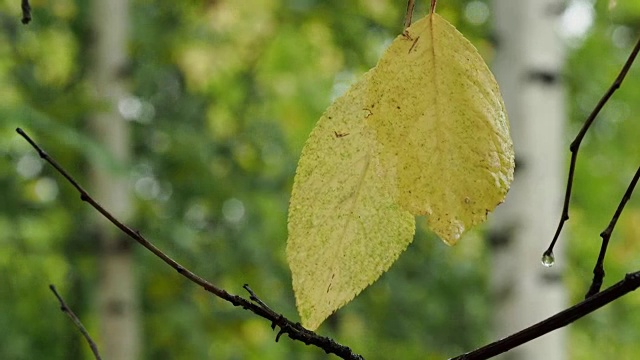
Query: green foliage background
(224, 93)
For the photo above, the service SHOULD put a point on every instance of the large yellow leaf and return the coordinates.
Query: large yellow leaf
(438, 113)
(345, 228)
(423, 133)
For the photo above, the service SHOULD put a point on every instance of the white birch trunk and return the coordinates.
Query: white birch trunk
(528, 66)
(117, 296)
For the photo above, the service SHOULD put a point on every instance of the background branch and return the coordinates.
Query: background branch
(294, 330)
(77, 322)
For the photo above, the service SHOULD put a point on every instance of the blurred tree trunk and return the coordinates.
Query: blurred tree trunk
(117, 288)
(528, 66)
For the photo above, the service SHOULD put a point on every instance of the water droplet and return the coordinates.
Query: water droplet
(548, 259)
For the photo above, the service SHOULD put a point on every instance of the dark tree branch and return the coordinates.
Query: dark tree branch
(630, 283)
(575, 145)
(77, 322)
(598, 270)
(26, 12)
(295, 331)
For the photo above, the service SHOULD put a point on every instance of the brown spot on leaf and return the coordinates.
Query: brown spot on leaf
(414, 44)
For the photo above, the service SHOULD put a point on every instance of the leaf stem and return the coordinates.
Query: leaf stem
(409, 15)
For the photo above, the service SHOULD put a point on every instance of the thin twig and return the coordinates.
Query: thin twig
(630, 283)
(26, 12)
(409, 15)
(575, 145)
(433, 6)
(295, 331)
(253, 297)
(598, 270)
(77, 322)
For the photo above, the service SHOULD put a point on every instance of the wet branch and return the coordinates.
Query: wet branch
(575, 145)
(295, 331)
(77, 322)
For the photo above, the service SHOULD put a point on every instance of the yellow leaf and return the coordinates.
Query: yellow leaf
(425, 132)
(345, 228)
(438, 113)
